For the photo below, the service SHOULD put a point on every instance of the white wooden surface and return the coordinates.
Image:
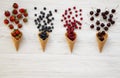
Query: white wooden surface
(57, 61)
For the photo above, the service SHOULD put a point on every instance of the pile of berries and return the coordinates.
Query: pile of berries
(16, 34)
(72, 18)
(103, 20)
(14, 17)
(44, 21)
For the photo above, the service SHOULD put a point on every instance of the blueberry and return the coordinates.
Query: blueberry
(35, 14)
(44, 8)
(113, 11)
(35, 8)
(55, 10)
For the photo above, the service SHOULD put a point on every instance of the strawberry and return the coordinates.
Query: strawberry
(11, 26)
(16, 21)
(22, 10)
(19, 16)
(19, 25)
(7, 13)
(13, 34)
(15, 11)
(17, 32)
(25, 20)
(15, 5)
(25, 14)
(12, 18)
(6, 21)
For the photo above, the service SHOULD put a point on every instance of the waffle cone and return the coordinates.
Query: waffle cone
(70, 42)
(43, 42)
(16, 42)
(101, 43)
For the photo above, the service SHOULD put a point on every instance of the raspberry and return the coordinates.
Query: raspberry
(16, 21)
(25, 20)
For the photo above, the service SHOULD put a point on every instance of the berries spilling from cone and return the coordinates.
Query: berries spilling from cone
(44, 22)
(14, 21)
(72, 20)
(102, 21)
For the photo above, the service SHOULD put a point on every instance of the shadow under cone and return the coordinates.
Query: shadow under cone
(16, 42)
(43, 42)
(101, 43)
(70, 42)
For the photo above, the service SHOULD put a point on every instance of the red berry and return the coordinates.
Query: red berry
(74, 7)
(7, 13)
(12, 18)
(25, 14)
(19, 16)
(6, 21)
(76, 11)
(17, 32)
(80, 10)
(14, 34)
(15, 5)
(69, 9)
(72, 17)
(19, 25)
(81, 18)
(16, 21)
(70, 12)
(76, 15)
(22, 10)
(68, 16)
(11, 26)
(15, 11)
(25, 20)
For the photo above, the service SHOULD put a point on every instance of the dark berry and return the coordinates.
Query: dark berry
(44, 8)
(35, 8)
(104, 17)
(55, 10)
(102, 25)
(108, 24)
(106, 12)
(98, 28)
(101, 38)
(92, 26)
(97, 22)
(103, 33)
(113, 11)
(112, 22)
(92, 18)
(97, 14)
(106, 28)
(91, 12)
(98, 10)
(111, 15)
(35, 14)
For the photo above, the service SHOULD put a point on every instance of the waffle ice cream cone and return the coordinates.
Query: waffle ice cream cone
(70, 42)
(43, 42)
(101, 43)
(16, 42)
